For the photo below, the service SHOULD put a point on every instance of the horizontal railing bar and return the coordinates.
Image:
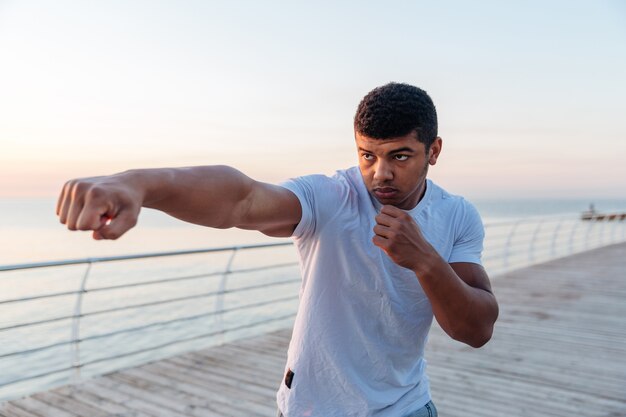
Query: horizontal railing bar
(174, 300)
(138, 256)
(188, 339)
(28, 378)
(35, 323)
(530, 219)
(38, 297)
(175, 342)
(529, 222)
(33, 350)
(147, 326)
(160, 302)
(190, 277)
(188, 318)
(155, 282)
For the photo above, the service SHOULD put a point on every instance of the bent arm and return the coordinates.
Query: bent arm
(459, 293)
(214, 196)
(461, 298)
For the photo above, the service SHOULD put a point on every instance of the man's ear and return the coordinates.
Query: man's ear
(435, 150)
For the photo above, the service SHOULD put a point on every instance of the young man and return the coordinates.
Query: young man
(382, 250)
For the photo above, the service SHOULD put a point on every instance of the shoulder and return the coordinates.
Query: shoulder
(336, 185)
(323, 198)
(456, 207)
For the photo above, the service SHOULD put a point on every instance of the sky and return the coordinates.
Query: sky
(531, 96)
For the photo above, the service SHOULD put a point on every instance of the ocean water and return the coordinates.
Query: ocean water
(30, 232)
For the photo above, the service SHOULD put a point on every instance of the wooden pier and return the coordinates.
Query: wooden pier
(559, 350)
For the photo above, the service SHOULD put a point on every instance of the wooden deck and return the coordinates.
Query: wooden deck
(559, 350)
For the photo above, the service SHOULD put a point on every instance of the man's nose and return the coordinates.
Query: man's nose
(383, 171)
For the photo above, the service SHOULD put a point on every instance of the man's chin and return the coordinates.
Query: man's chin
(387, 201)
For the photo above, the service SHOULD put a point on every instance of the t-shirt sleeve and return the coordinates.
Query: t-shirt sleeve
(303, 188)
(321, 198)
(468, 245)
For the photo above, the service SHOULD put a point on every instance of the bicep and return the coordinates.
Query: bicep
(270, 209)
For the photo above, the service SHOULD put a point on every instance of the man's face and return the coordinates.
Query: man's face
(394, 170)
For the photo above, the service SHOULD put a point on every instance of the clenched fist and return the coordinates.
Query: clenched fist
(107, 205)
(400, 237)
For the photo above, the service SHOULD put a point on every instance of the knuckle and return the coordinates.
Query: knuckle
(69, 184)
(94, 192)
(80, 188)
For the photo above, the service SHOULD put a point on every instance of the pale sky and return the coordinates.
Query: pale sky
(531, 95)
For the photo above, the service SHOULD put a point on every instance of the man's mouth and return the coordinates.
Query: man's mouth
(385, 193)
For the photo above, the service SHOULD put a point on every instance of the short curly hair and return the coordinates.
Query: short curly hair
(397, 109)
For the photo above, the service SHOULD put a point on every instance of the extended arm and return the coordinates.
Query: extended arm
(460, 293)
(215, 196)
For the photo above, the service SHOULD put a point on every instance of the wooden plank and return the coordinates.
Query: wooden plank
(78, 393)
(38, 407)
(210, 381)
(224, 405)
(146, 407)
(69, 404)
(180, 401)
(159, 406)
(213, 383)
(8, 409)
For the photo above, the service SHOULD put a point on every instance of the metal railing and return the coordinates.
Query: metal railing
(272, 295)
(508, 245)
(513, 244)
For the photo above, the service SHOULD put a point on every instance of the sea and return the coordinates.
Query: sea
(31, 233)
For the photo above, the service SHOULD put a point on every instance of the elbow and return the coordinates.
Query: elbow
(482, 331)
(475, 337)
(481, 338)
(477, 334)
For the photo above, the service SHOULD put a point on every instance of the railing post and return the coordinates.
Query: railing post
(613, 229)
(571, 236)
(591, 223)
(78, 311)
(219, 298)
(602, 230)
(554, 238)
(507, 245)
(531, 248)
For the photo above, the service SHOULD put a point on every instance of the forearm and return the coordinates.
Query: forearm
(464, 312)
(211, 195)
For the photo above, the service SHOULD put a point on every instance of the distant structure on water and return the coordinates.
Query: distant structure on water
(592, 214)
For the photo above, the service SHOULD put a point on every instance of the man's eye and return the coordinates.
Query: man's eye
(368, 157)
(401, 157)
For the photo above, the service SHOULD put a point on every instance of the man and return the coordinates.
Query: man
(382, 250)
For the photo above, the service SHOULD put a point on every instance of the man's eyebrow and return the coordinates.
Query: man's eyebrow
(406, 149)
(402, 150)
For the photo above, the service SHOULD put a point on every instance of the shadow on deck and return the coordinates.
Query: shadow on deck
(559, 349)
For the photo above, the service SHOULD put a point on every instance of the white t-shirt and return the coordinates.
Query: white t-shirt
(357, 348)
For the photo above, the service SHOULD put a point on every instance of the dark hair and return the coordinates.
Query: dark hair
(397, 109)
